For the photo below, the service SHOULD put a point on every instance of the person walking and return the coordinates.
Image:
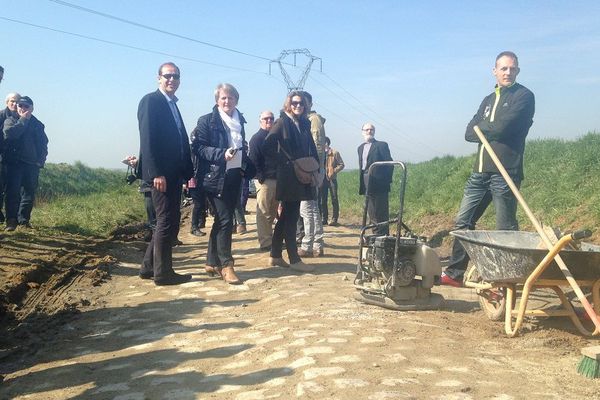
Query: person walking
(504, 117)
(290, 134)
(165, 163)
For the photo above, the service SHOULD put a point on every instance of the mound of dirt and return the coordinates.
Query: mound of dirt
(43, 282)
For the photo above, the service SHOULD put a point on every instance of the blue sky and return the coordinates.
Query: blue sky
(417, 70)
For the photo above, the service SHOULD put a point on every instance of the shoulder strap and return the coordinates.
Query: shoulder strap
(280, 147)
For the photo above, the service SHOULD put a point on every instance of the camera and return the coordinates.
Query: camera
(130, 179)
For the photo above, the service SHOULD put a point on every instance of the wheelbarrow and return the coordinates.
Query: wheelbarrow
(505, 263)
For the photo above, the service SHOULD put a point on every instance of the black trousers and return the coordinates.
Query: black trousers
(219, 241)
(285, 229)
(330, 187)
(159, 254)
(199, 210)
(378, 211)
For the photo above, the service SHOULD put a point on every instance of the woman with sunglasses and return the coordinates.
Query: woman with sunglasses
(291, 132)
(218, 141)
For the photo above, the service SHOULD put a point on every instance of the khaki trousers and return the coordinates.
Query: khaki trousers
(266, 210)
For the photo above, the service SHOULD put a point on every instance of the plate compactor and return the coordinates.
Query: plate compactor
(396, 272)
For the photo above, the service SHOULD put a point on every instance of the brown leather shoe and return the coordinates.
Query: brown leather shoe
(212, 271)
(278, 262)
(229, 276)
(241, 229)
(301, 267)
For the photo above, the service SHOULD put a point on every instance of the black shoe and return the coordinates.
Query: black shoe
(11, 225)
(147, 275)
(266, 248)
(334, 223)
(26, 224)
(148, 235)
(198, 232)
(176, 242)
(324, 223)
(175, 279)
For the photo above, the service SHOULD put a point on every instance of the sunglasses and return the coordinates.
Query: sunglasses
(24, 106)
(297, 104)
(268, 119)
(169, 76)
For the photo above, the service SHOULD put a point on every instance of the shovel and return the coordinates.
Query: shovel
(538, 227)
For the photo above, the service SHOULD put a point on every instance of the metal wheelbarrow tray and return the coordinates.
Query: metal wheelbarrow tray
(514, 260)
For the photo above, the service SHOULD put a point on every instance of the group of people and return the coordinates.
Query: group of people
(219, 158)
(215, 160)
(23, 152)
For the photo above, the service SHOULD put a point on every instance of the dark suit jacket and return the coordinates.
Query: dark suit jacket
(164, 150)
(381, 178)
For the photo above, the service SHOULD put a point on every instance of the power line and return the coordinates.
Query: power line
(383, 121)
(133, 47)
(126, 21)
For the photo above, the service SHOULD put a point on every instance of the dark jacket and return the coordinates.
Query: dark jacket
(164, 149)
(505, 124)
(381, 179)
(210, 141)
(266, 168)
(24, 141)
(3, 115)
(298, 143)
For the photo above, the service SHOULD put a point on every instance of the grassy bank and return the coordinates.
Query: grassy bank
(561, 186)
(88, 201)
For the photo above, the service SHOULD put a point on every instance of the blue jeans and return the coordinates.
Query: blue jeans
(21, 184)
(480, 190)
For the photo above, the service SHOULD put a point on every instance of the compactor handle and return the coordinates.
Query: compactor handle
(584, 233)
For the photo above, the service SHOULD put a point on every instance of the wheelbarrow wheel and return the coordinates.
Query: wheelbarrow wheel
(491, 301)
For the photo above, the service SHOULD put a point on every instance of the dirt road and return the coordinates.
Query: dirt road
(285, 335)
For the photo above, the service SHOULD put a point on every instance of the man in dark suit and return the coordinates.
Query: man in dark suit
(380, 180)
(165, 163)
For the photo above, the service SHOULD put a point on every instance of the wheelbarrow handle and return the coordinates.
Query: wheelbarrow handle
(582, 234)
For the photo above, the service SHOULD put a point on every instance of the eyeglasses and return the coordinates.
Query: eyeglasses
(267, 119)
(368, 129)
(297, 104)
(169, 76)
(23, 106)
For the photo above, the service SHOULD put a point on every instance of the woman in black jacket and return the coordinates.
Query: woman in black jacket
(292, 133)
(219, 143)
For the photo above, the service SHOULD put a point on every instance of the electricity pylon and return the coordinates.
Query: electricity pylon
(299, 84)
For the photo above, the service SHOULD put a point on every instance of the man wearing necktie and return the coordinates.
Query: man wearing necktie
(165, 164)
(380, 180)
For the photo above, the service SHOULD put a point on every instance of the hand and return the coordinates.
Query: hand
(160, 184)
(132, 160)
(229, 153)
(24, 113)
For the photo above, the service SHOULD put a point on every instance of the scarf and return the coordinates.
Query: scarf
(236, 140)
